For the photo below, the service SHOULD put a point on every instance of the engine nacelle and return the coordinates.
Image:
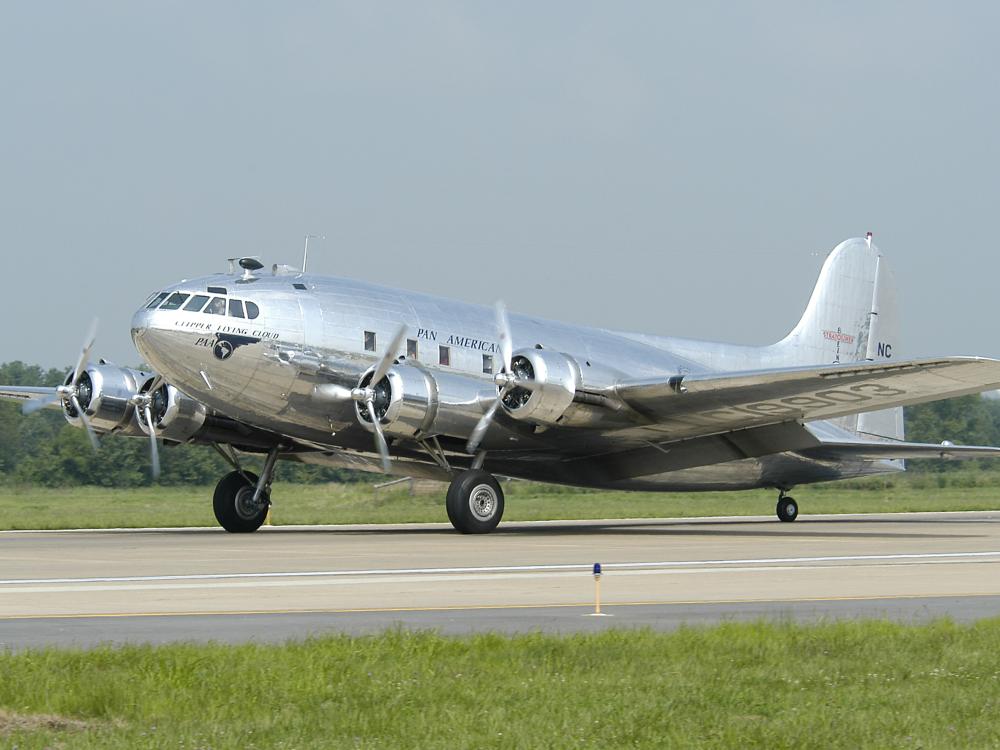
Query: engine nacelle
(411, 402)
(556, 378)
(175, 416)
(405, 401)
(105, 392)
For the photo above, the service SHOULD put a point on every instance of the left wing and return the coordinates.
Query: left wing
(688, 406)
(25, 393)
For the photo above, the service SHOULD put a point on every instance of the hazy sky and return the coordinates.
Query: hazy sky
(669, 168)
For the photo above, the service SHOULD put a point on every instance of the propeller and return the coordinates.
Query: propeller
(69, 393)
(143, 401)
(366, 395)
(506, 380)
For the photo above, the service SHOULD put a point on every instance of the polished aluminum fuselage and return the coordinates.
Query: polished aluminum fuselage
(311, 333)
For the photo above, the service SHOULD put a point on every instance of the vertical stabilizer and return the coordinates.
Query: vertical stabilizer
(851, 317)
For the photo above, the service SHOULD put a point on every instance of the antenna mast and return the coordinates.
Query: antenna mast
(305, 250)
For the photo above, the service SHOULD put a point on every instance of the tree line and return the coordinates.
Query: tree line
(44, 449)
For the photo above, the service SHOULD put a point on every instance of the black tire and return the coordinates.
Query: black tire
(232, 501)
(475, 502)
(787, 509)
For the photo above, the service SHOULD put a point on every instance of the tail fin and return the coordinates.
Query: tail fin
(851, 317)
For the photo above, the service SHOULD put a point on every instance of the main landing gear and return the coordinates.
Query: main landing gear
(787, 509)
(242, 499)
(474, 502)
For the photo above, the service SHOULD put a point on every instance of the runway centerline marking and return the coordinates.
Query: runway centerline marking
(453, 573)
(475, 607)
(175, 585)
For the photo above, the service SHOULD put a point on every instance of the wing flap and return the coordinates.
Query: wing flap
(708, 404)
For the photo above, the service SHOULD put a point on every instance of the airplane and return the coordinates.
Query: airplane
(346, 373)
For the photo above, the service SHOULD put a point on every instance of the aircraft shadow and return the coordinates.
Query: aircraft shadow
(804, 528)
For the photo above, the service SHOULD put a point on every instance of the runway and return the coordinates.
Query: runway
(159, 585)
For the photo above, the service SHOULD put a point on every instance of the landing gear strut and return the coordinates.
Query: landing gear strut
(242, 498)
(475, 502)
(787, 509)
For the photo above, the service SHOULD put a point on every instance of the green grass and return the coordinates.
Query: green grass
(847, 685)
(93, 507)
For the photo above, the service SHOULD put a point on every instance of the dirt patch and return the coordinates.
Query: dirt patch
(12, 722)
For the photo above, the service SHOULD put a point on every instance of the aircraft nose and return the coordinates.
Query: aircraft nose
(141, 325)
(140, 322)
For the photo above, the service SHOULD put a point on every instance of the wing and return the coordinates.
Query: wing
(26, 393)
(688, 406)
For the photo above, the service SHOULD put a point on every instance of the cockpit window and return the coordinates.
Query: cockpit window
(235, 308)
(252, 310)
(157, 300)
(216, 307)
(175, 301)
(197, 302)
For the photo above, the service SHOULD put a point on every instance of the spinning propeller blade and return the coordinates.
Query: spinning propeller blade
(506, 379)
(380, 443)
(86, 422)
(88, 344)
(154, 452)
(366, 395)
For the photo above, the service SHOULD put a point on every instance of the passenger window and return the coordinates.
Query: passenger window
(157, 300)
(444, 356)
(488, 364)
(252, 310)
(411, 348)
(235, 308)
(369, 341)
(216, 307)
(197, 302)
(175, 301)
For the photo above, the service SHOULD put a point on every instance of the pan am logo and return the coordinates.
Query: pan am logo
(227, 343)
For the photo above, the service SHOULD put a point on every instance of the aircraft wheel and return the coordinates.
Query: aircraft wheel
(474, 502)
(788, 509)
(233, 503)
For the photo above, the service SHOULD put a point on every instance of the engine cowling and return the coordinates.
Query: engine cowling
(411, 402)
(105, 393)
(175, 416)
(556, 378)
(405, 401)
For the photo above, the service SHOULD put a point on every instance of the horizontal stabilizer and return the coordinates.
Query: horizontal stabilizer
(894, 449)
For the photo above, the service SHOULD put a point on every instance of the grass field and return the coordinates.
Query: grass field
(92, 507)
(846, 685)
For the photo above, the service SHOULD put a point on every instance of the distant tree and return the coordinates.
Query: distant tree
(967, 420)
